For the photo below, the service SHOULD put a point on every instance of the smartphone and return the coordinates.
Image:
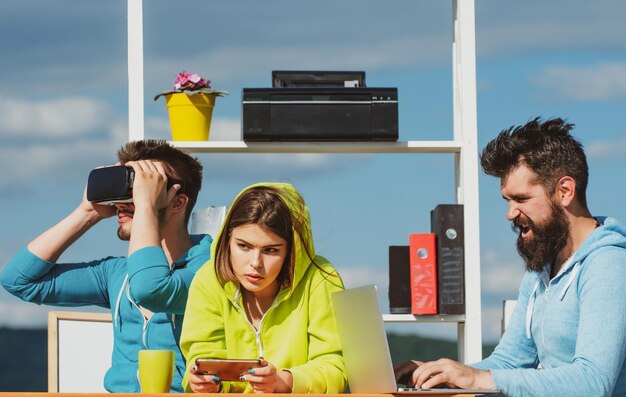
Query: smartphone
(226, 369)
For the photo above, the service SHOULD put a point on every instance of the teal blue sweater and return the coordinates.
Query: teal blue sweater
(121, 284)
(572, 326)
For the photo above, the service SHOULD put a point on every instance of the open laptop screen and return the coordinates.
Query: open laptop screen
(365, 348)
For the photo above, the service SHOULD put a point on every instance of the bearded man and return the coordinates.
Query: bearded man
(567, 335)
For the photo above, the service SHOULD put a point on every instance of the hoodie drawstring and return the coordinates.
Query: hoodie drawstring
(570, 280)
(117, 304)
(145, 320)
(117, 315)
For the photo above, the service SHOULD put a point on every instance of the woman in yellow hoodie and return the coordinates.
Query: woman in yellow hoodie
(265, 294)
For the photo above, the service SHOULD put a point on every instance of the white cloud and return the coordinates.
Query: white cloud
(606, 150)
(157, 127)
(64, 117)
(604, 81)
(63, 160)
(228, 65)
(15, 313)
(118, 132)
(520, 28)
(271, 166)
(491, 322)
(224, 129)
(499, 275)
(358, 276)
(18, 314)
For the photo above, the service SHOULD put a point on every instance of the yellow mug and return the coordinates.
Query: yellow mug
(156, 369)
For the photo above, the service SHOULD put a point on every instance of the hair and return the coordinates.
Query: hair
(181, 165)
(545, 147)
(280, 210)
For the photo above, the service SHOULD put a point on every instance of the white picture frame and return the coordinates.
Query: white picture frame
(80, 345)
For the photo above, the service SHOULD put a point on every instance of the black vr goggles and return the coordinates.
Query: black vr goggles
(110, 185)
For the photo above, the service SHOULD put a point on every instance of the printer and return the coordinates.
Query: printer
(319, 106)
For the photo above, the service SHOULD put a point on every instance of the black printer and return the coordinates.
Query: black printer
(319, 106)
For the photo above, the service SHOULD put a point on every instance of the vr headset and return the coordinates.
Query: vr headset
(111, 185)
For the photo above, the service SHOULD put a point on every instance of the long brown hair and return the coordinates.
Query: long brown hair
(280, 210)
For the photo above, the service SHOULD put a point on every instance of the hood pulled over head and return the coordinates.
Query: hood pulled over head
(261, 204)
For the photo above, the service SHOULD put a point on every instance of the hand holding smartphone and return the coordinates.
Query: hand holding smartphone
(226, 369)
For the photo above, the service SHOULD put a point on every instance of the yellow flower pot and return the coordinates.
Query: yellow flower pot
(190, 115)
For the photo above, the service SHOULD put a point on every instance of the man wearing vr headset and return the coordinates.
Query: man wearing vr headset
(146, 291)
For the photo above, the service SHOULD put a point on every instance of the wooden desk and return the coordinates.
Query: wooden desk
(43, 394)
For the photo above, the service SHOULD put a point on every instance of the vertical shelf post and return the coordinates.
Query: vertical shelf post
(135, 70)
(466, 131)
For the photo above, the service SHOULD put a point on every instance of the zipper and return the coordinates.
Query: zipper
(545, 277)
(257, 333)
(546, 295)
(144, 332)
(258, 340)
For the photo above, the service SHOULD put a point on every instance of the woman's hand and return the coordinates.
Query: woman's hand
(266, 379)
(201, 383)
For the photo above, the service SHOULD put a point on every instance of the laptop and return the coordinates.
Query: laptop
(365, 348)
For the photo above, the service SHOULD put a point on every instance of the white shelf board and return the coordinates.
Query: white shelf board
(424, 318)
(319, 147)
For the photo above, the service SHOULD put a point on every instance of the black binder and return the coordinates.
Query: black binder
(399, 280)
(446, 221)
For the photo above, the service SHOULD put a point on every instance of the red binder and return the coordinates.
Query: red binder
(423, 263)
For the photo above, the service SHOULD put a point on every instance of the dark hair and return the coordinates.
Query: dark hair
(180, 164)
(546, 147)
(280, 210)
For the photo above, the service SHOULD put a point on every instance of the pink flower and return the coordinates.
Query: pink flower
(187, 81)
(181, 80)
(191, 84)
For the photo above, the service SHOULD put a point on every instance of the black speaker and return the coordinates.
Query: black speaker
(446, 221)
(399, 280)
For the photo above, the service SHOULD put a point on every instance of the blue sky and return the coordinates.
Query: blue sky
(63, 111)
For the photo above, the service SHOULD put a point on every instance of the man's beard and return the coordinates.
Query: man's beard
(547, 240)
(124, 234)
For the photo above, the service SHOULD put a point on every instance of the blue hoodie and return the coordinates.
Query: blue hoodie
(567, 336)
(120, 284)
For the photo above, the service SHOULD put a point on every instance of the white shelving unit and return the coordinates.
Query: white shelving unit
(463, 146)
